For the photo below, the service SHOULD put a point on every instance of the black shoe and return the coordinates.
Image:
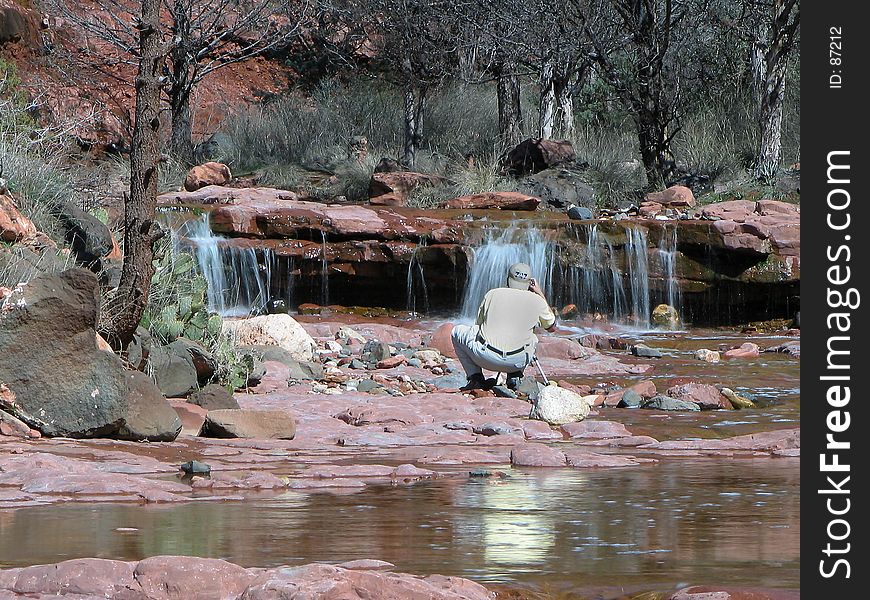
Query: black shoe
(514, 379)
(475, 382)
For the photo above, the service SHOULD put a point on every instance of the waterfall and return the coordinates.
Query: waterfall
(415, 268)
(239, 280)
(668, 255)
(497, 253)
(638, 273)
(324, 271)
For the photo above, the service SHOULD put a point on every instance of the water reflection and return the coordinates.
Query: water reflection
(703, 521)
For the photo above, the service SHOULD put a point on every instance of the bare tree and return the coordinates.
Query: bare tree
(206, 35)
(128, 302)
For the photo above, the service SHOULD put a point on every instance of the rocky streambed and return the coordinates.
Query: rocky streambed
(390, 462)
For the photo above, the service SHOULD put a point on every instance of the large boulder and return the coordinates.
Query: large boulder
(19, 25)
(149, 416)
(561, 187)
(273, 330)
(495, 200)
(676, 196)
(536, 154)
(558, 406)
(258, 424)
(210, 173)
(181, 367)
(394, 189)
(88, 237)
(14, 226)
(62, 383)
(665, 316)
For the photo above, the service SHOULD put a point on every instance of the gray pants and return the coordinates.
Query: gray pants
(475, 356)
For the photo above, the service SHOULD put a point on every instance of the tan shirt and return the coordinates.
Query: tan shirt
(508, 317)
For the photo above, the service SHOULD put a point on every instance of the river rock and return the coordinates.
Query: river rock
(705, 396)
(273, 330)
(665, 317)
(595, 430)
(210, 173)
(562, 348)
(12, 426)
(495, 201)
(558, 406)
(173, 371)
(736, 400)
(213, 397)
(668, 403)
(51, 363)
(442, 340)
(536, 154)
(645, 351)
(258, 424)
(580, 213)
(88, 237)
(710, 356)
(746, 350)
(630, 399)
(149, 417)
(537, 455)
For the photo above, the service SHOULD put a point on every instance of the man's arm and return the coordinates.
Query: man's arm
(536, 289)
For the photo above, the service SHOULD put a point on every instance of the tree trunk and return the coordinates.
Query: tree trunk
(127, 304)
(651, 137)
(181, 139)
(547, 107)
(565, 100)
(414, 115)
(770, 146)
(510, 119)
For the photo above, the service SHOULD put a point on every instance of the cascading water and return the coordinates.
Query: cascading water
(324, 271)
(415, 270)
(668, 255)
(638, 273)
(497, 253)
(239, 280)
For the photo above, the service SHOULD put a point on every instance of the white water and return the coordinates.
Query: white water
(416, 280)
(668, 255)
(499, 251)
(239, 279)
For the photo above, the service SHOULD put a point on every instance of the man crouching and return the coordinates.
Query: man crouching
(502, 339)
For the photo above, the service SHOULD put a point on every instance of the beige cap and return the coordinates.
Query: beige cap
(519, 276)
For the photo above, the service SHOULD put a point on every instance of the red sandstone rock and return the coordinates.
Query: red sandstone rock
(14, 227)
(768, 441)
(706, 396)
(538, 430)
(650, 209)
(562, 348)
(393, 189)
(746, 350)
(210, 173)
(586, 459)
(595, 430)
(442, 341)
(676, 196)
(392, 362)
(537, 455)
(179, 577)
(495, 200)
(259, 424)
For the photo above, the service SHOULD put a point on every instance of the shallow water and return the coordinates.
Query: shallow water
(697, 521)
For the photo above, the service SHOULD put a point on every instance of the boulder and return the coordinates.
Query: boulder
(676, 196)
(210, 173)
(705, 396)
(273, 330)
(536, 154)
(258, 424)
(645, 351)
(90, 239)
(14, 227)
(149, 416)
(580, 213)
(442, 340)
(665, 316)
(213, 397)
(668, 403)
(495, 200)
(562, 348)
(19, 25)
(561, 187)
(630, 399)
(746, 350)
(173, 371)
(62, 383)
(558, 406)
(394, 189)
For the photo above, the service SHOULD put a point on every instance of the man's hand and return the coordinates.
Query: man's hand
(534, 287)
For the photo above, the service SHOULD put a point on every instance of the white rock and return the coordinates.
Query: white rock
(558, 406)
(429, 356)
(273, 330)
(710, 356)
(345, 333)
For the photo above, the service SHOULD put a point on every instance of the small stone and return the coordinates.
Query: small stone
(358, 364)
(392, 362)
(710, 356)
(415, 362)
(630, 399)
(503, 391)
(194, 467)
(736, 400)
(367, 385)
